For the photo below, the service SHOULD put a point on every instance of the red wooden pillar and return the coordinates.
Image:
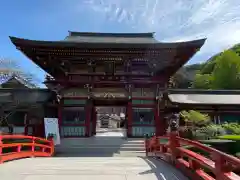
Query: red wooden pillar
(94, 119)
(40, 128)
(60, 109)
(129, 118)
(156, 118)
(26, 124)
(162, 124)
(88, 118)
(160, 120)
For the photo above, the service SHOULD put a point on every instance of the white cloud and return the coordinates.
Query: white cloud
(175, 20)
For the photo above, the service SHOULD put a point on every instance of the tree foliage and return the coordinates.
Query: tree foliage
(211, 131)
(202, 81)
(222, 72)
(226, 73)
(232, 128)
(195, 117)
(207, 75)
(10, 68)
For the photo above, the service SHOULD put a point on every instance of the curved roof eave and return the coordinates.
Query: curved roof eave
(21, 42)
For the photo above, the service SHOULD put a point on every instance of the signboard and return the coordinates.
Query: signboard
(52, 129)
(74, 92)
(109, 93)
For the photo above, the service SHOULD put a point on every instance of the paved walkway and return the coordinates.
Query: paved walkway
(89, 168)
(117, 132)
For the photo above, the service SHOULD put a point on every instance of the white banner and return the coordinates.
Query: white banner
(52, 129)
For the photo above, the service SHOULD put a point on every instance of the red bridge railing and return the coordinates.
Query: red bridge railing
(19, 146)
(212, 165)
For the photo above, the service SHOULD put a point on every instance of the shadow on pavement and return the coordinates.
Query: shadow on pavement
(162, 170)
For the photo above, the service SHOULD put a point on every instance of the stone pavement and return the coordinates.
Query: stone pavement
(89, 168)
(117, 132)
(104, 157)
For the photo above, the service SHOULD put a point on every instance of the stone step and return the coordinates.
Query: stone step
(99, 149)
(100, 138)
(107, 143)
(100, 153)
(105, 148)
(101, 146)
(135, 154)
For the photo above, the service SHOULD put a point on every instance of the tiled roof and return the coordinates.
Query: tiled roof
(205, 97)
(87, 37)
(158, 57)
(4, 78)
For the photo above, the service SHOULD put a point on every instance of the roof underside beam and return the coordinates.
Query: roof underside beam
(59, 56)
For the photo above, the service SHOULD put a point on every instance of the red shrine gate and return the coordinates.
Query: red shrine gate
(84, 111)
(91, 69)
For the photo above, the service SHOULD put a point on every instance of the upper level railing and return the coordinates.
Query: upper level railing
(19, 146)
(211, 164)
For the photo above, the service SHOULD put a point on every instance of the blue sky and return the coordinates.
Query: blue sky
(172, 20)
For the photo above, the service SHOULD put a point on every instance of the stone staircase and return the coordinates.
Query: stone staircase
(102, 146)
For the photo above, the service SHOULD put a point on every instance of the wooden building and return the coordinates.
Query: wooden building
(221, 105)
(23, 107)
(87, 70)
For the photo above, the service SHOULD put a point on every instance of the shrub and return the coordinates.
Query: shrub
(195, 118)
(212, 131)
(232, 128)
(185, 132)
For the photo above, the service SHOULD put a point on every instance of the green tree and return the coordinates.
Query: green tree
(195, 117)
(194, 120)
(202, 81)
(226, 73)
(208, 67)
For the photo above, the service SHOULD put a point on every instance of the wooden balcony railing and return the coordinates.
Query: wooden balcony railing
(19, 146)
(211, 164)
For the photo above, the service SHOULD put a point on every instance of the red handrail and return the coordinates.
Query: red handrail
(221, 165)
(34, 147)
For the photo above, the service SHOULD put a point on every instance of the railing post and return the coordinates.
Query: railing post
(156, 144)
(193, 164)
(146, 144)
(19, 147)
(1, 143)
(173, 144)
(33, 147)
(51, 145)
(220, 166)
